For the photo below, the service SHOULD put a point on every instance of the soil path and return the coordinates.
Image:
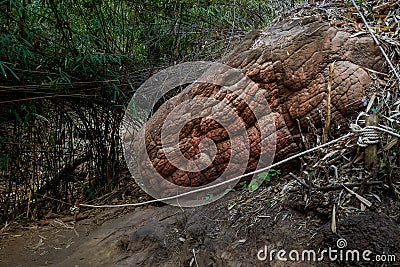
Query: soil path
(229, 232)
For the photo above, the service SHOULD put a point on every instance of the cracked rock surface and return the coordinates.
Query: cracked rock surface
(289, 63)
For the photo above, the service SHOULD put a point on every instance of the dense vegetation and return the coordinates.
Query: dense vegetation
(66, 70)
(71, 41)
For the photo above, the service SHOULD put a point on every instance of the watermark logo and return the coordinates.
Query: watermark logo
(340, 253)
(154, 145)
(341, 243)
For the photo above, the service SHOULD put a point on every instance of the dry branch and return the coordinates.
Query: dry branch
(328, 104)
(74, 218)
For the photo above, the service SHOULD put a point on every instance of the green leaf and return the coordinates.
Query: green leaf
(209, 197)
(40, 117)
(264, 176)
(253, 186)
(229, 189)
(382, 167)
(4, 67)
(311, 174)
(3, 70)
(17, 117)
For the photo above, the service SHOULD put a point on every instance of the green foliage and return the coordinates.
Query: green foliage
(20, 218)
(269, 204)
(311, 174)
(5, 68)
(244, 185)
(4, 162)
(87, 191)
(267, 175)
(209, 197)
(86, 40)
(382, 167)
(229, 189)
(255, 183)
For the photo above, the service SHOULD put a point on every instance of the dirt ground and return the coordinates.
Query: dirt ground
(241, 229)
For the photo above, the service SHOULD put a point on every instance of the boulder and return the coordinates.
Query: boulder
(289, 63)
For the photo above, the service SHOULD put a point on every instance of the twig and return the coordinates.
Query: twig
(233, 22)
(359, 197)
(328, 108)
(376, 41)
(333, 222)
(352, 185)
(300, 181)
(303, 139)
(79, 217)
(195, 260)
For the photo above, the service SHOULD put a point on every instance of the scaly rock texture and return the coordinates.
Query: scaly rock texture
(289, 62)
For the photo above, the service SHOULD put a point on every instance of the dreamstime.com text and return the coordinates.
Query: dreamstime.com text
(330, 254)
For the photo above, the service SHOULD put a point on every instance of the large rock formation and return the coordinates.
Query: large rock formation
(290, 64)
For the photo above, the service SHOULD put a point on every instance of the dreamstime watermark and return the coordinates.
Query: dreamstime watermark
(340, 253)
(153, 146)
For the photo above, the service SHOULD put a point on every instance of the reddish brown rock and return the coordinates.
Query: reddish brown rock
(289, 62)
